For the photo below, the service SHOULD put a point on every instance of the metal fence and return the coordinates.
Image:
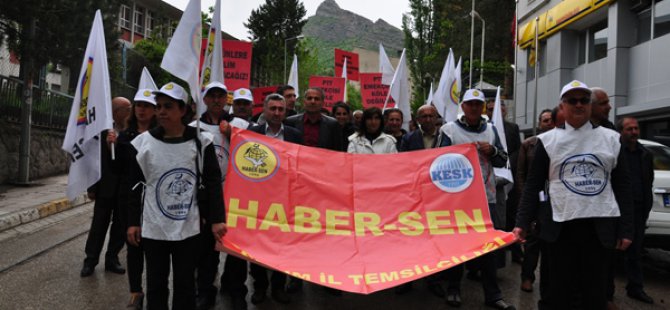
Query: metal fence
(50, 108)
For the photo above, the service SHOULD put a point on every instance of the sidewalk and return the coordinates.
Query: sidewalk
(21, 205)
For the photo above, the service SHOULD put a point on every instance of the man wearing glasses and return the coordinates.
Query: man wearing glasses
(591, 212)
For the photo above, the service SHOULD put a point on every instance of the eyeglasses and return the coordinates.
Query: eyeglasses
(573, 101)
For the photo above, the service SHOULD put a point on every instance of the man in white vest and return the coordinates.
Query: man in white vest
(581, 170)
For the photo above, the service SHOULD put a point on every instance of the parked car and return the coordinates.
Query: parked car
(658, 224)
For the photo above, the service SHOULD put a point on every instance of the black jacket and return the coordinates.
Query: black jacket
(330, 132)
(290, 134)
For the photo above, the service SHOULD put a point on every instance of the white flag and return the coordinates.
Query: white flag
(182, 56)
(212, 65)
(91, 113)
(497, 121)
(385, 66)
(454, 109)
(293, 75)
(430, 95)
(443, 91)
(146, 81)
(399, 90)
(344, 75)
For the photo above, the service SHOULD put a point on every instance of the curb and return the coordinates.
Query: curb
(28, 215)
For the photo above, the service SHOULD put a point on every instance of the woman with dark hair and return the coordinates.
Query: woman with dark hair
(370, 138)
(142, 118)
(342, 113)
(393, 119)
(181, 180)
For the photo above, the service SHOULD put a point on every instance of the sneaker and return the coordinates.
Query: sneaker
(500, 304)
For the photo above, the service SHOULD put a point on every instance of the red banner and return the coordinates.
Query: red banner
(236, 63)
(357, 223)
(352, 64)
(333, 87)
(373, 92)
(259, 94)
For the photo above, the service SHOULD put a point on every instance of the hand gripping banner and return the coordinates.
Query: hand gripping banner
(357, 223)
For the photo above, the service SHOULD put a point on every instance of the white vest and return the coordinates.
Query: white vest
(580, 166)
(170, 205)
(221, 145)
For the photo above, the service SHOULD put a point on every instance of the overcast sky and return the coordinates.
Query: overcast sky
(236, 12)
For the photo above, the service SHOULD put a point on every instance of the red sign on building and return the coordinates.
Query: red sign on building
(352, 64)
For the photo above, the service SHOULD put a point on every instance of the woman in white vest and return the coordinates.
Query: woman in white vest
(370, 138)
(178, 170)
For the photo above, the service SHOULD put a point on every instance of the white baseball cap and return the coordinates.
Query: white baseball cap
(473, 94)
(145, 95)
(244, 94)
(174, 91)
(214, 84)
(574, 85)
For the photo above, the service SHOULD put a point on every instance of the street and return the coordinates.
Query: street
(39, 269)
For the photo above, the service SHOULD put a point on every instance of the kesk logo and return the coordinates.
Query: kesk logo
(451, 173)
(255, 161)
(584, 174)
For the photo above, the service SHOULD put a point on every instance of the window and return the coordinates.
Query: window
(581, 49)
(598, 41)
(124, 17)
(543, 58)
(644, 26)
(149, 23)
(661, 18)
(661, 156)
(139, 20)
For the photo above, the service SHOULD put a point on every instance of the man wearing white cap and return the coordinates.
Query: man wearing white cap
(473, 128)
(242, 103)
(591, 209)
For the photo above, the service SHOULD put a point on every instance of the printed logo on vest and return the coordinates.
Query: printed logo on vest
(584, 174)
(255, 161)
(174, 193)
(452, 173)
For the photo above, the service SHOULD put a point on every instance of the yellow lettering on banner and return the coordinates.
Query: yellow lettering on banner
(356, 278)
(369, 220)
(410, 219)
(406, 273)
(276, 217)
(334, 219)
(304, 276)
(307, 220)
(235, 212)
(389, 276)
(371, 278)
(444, 264)
(434, 221)
(476, 222)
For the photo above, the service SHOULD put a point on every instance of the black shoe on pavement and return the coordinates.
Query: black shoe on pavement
(206, 302)
(641, 296)
(294, 285)
(436, 289)
(280, 296)
(86, 271)
(114, 267)
(239, 303)
(258, 296)
(454, 299)
(500, 304)
(403, 288)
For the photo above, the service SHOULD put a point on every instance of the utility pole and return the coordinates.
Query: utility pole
(26, 111)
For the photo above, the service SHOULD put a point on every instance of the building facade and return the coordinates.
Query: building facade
(621, 46)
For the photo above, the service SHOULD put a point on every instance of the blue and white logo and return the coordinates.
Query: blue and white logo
(452, 173)
(174, 193)
(584, 174)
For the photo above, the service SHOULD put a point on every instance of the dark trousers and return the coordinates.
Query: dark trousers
(576, 271)
(208, 263)
(234, 276)
(135, 267)
(531, 256)
(158, 255)
(104, 211)
(487, 265)
(260, 275)
(631, 258)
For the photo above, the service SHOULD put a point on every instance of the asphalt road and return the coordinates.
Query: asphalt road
(39, 269)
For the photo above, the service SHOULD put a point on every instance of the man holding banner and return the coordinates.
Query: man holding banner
(473, 128)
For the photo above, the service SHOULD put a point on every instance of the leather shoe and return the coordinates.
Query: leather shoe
(527, 286)
(136, 301)
(86, 271)
(239, 303)
(436, 289)
(641, 296)
(115, 267)
(454, 299)
(500, 304)
(280, 296)
(258, 297)
(403, 288)
(294, 285)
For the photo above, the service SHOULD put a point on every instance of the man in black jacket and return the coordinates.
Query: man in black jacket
(317, 129)
(591, 209)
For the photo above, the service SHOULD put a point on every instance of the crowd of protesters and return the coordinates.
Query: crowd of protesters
(581, 192)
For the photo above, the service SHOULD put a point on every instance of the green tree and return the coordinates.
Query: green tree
(269, 27)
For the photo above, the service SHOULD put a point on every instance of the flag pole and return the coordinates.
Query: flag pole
(537, 73)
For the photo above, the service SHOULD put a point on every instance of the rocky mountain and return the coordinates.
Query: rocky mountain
(333, 26)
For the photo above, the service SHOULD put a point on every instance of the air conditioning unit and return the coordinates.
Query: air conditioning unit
(639, 5)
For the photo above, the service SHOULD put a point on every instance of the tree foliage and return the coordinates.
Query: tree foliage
(269, 26)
